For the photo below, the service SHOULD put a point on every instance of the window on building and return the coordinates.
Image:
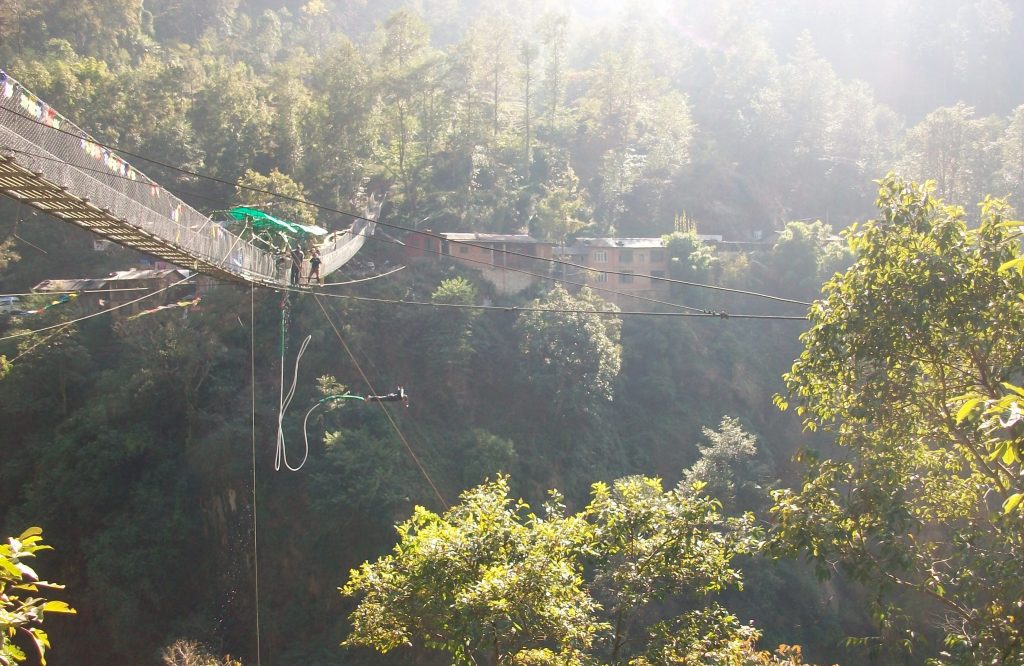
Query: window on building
(601, 277)
(641, 257)
(626, 277)
(463, 249)
(657, 256)
(626, 256)
(600, 256)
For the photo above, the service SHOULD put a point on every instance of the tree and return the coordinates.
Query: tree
(22, 614)
(97, 26)
(562, 204)
(192, 653)
(651, 543)
(337, 125)
(1013, 156)
(493, 39)
(405, 62)
(553, 29)
(491, 582)
(231, 118)
(911, 507)
(572, 354)
(7, 253)
(15, 17)
(690, 258)
(528, 52)
(485, 581)
(945, 147)
(805, 254)
(726, 465)
(278, 183)
(447, 336)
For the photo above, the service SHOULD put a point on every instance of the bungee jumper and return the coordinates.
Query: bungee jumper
(398, 395)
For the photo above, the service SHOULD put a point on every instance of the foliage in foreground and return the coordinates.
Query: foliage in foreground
(626, 580)
(192, 653)
(904, 347)
(21, 612)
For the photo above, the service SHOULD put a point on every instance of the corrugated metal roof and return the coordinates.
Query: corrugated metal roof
(77, 284)
(82, 284)
(635, 243)
(489, 238)
(147, 274)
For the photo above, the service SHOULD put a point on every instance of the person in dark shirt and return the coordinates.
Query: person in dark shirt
(297, 257)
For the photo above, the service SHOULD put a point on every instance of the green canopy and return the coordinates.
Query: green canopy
(260, 221)
(311, 229)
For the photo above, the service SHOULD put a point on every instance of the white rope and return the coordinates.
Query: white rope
(285, 400)
(305, 421)
(365, 279)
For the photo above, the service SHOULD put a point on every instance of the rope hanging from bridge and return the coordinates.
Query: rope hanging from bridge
(285, 400)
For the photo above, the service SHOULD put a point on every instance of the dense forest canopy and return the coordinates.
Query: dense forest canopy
(135, 444)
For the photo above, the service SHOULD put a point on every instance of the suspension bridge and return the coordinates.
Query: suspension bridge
(52, 165)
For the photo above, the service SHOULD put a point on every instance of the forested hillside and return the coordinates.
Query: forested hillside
(145, 448)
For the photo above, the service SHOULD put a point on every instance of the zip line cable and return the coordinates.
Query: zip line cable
(354, 216)
(513, 308)
(96, 314)
(408, 447)
(46, 339)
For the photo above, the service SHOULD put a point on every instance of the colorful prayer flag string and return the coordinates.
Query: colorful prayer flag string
(60, 301)
(179, 304)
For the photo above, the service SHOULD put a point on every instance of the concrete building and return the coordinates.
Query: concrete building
(625, 265)
(491, 254)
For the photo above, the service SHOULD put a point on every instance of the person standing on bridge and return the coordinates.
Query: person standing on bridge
(297, 257)
(314, 266)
